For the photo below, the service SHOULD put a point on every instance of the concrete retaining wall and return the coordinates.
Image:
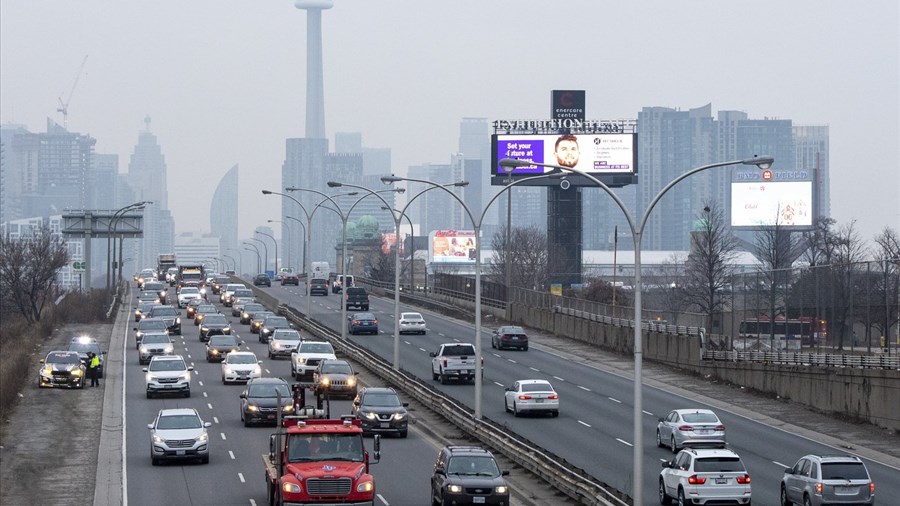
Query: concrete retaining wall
(872, 395)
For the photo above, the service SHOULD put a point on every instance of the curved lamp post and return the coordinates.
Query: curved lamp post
(255, 249)
(637, 231)
(265, 253)
(303, 227)
(290, 239)
(233, 263)
(112, 221)
(344, 217)
(309, 217)
(240, 253)
(477, 226)
(276, 250)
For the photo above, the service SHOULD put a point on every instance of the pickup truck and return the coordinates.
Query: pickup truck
(356, 297)
(453, 361)
(320, 462)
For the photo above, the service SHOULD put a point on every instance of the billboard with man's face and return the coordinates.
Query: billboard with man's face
(595, 154)
(453, 246)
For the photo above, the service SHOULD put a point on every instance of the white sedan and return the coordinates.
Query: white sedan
(240, 366)
(412, 322)
(187, 294)
(531, 396)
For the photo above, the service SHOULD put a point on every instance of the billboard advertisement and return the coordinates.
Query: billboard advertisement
(594, 153)
(769, 203)
(389, 241)
(453, 246)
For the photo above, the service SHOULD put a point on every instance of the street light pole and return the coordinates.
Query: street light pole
(303, 260)
(254, 249)
(476, 224)
(289, 248)
(267, 253)
(637, 234)
(233, 263)
(112, 221)
(240, 253)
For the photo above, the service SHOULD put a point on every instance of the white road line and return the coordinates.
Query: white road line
(215, 419)
(231, 454)
(512, 361)
(614, 400)
(383, 500)
(210, 405)
(200, 383)
(560, 379)
(646, 412)
(205, 394)
(779, 464)
(586, 389)
(423, 349)
(252, 502)
(241, 477)
(457, 340)
(189, 357)
(534, 369)
(496, 355)
(407, 342)
(585, 424)
(223, 435)
(268, 371)
(442, 335)
(624, 442)
(498, 384)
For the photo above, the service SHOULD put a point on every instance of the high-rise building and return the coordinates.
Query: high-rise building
(811, 145)
(147, 178)
(194, 247)
(223, 210)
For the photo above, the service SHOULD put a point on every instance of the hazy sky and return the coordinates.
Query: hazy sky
(224, 82)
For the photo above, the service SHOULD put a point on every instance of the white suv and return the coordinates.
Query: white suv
(168, 374)
(178, 434)
(701, 476)
(306, 357)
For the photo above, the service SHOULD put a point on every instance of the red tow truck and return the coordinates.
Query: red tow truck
(321, 462)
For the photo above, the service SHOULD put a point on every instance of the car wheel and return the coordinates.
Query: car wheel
(223, 381)
(659, 443)
(444, 379)
(505, 405)
(672, 445)
(681, 501)
(663, 497)
(154, 461)
(434, 500)
(187, 393)
(555, 413)
(149, 395)
(403, 434)
(784, 498)
(204, 459)
(525, 348)
(434, 376)
(807, 501)
(515, 409)
(493, 344)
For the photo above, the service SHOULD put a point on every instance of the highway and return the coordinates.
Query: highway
(593, 430)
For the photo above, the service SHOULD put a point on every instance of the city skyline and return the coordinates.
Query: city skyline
(237, 100)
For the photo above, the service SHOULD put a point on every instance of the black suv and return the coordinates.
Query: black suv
(356, 297)
(318, 286)
(262, 280)
(381, 410)
(468, 475)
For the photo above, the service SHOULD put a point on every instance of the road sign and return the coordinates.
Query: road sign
(78, 266)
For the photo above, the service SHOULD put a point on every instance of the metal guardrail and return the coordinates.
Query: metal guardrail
(807, 359)
(570, 480)
(681, 330)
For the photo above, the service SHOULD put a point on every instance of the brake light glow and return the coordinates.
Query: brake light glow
(696, 480)
(553, 397)
(743, 480)
(872, 487)
(685, 427)
(720, 427)
(524, 397)
(818, 488)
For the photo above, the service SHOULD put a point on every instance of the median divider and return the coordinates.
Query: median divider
(568, 479)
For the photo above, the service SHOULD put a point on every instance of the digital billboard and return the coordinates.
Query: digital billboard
(595, 154)
(769, 203)
(453, 246)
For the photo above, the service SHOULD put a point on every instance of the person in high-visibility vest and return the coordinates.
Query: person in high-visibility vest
(93, 368)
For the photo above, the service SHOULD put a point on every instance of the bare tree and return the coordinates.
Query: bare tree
(664, 287)
(848, 252)
(887, 288)
(776, 248)
(28, 270)
(708, 266)
(529, 256)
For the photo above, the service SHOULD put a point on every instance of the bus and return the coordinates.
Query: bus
(805, 331)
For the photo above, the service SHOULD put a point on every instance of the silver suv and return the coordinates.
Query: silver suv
(178, 434)
(704, 476)
(168, 374)
(827, 479)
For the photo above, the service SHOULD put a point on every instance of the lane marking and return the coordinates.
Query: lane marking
(210, 405)
(498, 384)
(423, 349)
(535, 369)
(383, 500)
(268, 371)
(241, 477)
(626, 443)
(586, 389)
(205, 395)
(779, 464)
(560, 379)
(585, 424)
(615, 400)
(646, 412)
(512, 361)
(215, 419)
(200, 383)
(231, 454)
(496, 355)
(189, 356)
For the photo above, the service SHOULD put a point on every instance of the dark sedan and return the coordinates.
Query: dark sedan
(360, 323)
(262, 280)
(213, 325)
(219, 346)
(259, 403)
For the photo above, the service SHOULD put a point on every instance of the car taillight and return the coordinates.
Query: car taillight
(445, 362)
(355, 322)
(375, 322)
(685, 427)
(553, 397)
(524, 397)
(872, 487)
(818, 488)
(720, 428)
(696, 480)
(743, 480)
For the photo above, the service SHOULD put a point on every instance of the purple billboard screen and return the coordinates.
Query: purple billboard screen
(530, 149)
(594, 154)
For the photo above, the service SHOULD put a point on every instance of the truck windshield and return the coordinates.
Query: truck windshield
(316, 447)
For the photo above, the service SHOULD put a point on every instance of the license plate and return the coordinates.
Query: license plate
(179, 452)
(465, 371)
(539, 401)
(478, 500)
(270, 417)
(721, 481)
(703, 431)
(168, 386)
(385, 425)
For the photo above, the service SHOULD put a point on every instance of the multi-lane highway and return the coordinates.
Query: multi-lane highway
(593, 430)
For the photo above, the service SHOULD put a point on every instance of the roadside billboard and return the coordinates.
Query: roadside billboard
(452, 246)
(757, 204)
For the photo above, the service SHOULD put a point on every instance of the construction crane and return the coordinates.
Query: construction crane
(64, 106)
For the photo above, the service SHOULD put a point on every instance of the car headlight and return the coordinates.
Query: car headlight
(288, 408)
(501, 489)
(252, 407)
(159, 439)
(137, 312)
(399, 416)
(325, 381)
(244, 315)
(143, 349)
(290, 488)
(177, 321)
(77, 372)
(205, 437)
(257, 370)
(275, 345)
(186, 376)
(149, 378)
(214, 351)
(169, 349)
(351, 381)
(228, 370)
(226, 329)
(366, 486)
(203, 291)
(454, 489)
(203, 328)
(47, 371)
(233, 350)
(370, 416)
(302, 360)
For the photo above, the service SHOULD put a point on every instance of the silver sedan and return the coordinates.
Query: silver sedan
(690, 427)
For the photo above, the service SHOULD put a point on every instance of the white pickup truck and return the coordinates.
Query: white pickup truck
(453, 361)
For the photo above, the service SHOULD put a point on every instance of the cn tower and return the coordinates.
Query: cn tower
(315, 86)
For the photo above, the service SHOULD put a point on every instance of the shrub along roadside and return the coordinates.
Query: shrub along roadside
(21, 342)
